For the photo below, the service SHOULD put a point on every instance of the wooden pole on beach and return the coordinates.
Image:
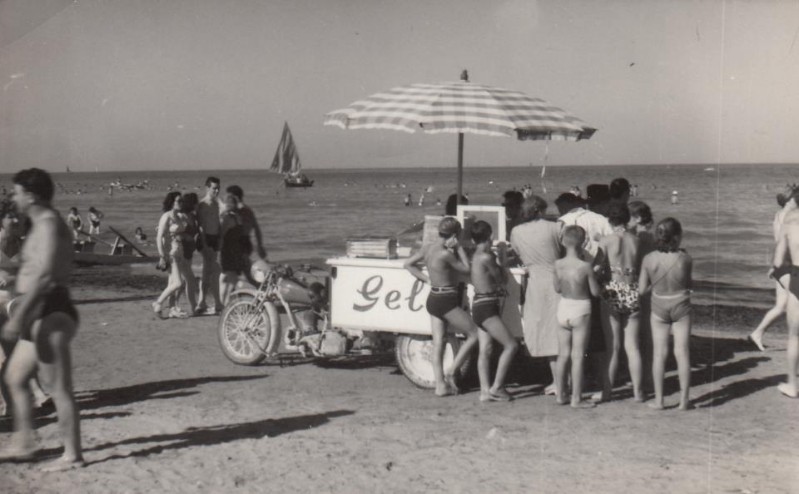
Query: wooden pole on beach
(460, 166)
(464, 78)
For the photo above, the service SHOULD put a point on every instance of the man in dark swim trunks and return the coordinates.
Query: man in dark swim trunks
(444, 301)
(788, 245)
(208, 211)
(44, 320)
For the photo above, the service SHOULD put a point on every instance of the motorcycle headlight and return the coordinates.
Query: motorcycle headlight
(259, 270)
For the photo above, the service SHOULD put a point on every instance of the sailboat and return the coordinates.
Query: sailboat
(287, 161)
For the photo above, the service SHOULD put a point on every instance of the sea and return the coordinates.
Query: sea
(726, 210)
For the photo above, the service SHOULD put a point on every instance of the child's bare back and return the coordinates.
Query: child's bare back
(574, 277)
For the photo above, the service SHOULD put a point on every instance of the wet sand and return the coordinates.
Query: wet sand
(163, 411)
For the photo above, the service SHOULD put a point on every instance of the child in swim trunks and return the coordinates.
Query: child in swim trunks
(574, 280)
(620, 301)
(445, 260)
(488, 280)
(667, 273)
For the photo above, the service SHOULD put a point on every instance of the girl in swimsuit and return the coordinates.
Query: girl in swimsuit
(620, 302)
(667, 273)
(171, 227)
(75, 223)
(94, 220)
(44, 320)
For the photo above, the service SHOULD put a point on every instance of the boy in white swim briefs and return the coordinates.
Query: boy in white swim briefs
(574, 280)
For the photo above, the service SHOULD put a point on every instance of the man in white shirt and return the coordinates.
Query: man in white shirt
(573, 212)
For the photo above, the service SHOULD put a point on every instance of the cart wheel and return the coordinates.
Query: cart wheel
(243, 332)
(415, 358)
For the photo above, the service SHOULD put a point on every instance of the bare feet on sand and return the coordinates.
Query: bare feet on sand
(757, 340)
(18, 450)
(788, 390)
(656, 405)
(449, 379)
(63, 464)
(582, 404)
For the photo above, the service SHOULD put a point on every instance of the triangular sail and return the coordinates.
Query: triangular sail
(286, 159)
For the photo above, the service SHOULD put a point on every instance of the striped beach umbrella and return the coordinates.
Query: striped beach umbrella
(461, 107)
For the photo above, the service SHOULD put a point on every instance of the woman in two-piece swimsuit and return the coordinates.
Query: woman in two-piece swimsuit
(667, 273)
(44, 319)
(620, 302)
(171, 227)
(94, 220)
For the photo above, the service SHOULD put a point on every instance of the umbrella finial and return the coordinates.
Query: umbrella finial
(465, 75)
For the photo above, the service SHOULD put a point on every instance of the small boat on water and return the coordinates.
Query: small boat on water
(287, 161)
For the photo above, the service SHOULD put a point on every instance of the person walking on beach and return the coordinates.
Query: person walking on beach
(537, 242)
(620, 262)
(45, 321)
(575, 282)
(788, 248)
(488, 279)
(407, 200)
(208, 217)
(781, 274)
(94, 220)
(169, 241)
(75, 223)
(10, 247)
(666, 272)
(445, 260)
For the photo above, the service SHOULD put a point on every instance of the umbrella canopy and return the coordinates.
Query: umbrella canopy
(461, 107)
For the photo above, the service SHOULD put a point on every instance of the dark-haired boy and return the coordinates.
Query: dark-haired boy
(488, 280)
(446, 261)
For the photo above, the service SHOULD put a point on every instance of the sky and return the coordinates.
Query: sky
(116, 85)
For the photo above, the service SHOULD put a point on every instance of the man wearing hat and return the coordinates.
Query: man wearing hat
(446, 262)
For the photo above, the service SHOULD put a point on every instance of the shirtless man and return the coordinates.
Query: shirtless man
(443, 303)
(489, 279)
(788, 244)
(45, 321)
(208, 211)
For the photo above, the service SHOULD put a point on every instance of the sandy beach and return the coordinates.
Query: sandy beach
(162, 410)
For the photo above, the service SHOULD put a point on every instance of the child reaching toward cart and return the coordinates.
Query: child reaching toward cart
(667, 272)
(575, 282)
(488, 280)
(445, 260)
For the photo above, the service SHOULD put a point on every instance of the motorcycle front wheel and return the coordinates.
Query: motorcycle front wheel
(244, 332)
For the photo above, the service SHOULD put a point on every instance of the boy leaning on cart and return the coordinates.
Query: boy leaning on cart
(446, 261)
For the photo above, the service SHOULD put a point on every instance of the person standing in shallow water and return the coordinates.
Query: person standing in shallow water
(45, 321)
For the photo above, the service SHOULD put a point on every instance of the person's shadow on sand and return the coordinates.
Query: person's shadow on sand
(217, 434)
(157, 390)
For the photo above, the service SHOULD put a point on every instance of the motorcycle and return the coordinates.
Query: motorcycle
(251, 327)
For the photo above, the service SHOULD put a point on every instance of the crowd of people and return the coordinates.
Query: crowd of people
(598, 276)
(601, 279)
(221, 231)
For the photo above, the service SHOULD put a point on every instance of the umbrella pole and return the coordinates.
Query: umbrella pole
(460, 167)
